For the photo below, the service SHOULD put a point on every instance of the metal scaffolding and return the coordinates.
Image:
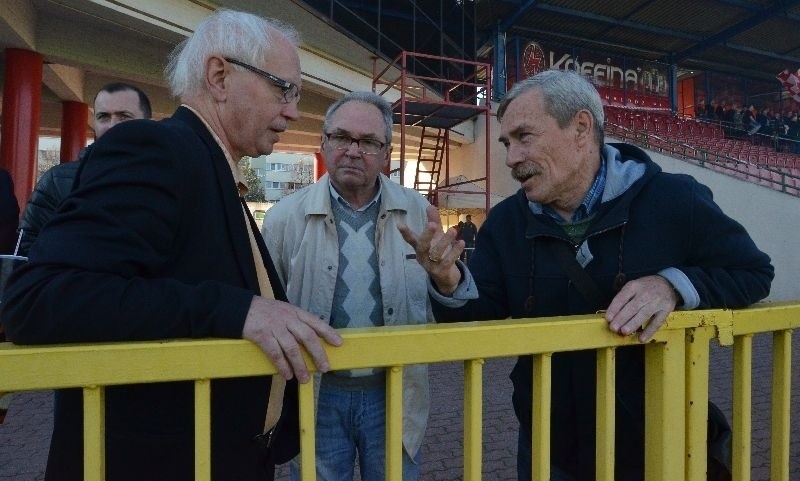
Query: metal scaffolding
(436, 104)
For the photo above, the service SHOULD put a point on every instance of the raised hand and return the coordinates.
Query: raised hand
(437, 251)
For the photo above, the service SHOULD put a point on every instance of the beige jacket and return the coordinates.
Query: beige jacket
(300, 233)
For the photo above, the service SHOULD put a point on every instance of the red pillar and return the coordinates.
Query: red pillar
(319, 166)
(74, 119)
(19, 137)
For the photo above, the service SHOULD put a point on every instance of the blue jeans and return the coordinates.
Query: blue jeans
(352, 422)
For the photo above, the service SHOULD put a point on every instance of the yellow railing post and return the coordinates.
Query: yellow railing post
(606, 406)
(697, 365)
(94, 433)
(540, 438)
(473, 419)
(202, 430)
(664, 405)
(742, 405)
(394, 423)
(308, 456)
(781, 399)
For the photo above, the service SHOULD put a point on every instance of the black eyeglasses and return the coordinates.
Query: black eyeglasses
(289, 90)
(365, 146)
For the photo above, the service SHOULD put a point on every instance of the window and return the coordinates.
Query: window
(275, 185)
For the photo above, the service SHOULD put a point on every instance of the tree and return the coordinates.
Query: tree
(46, 160)
(255, 189)
(302, 175)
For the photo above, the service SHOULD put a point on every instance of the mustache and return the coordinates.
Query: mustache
(524, 171)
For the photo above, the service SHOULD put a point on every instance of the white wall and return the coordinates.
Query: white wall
(771, 217)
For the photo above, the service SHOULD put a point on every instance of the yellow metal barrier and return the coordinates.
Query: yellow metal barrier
(676, 397)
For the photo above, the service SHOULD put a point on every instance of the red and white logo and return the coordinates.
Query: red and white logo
(533, 60)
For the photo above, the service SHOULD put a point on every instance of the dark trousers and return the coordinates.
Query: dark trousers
(524, 463)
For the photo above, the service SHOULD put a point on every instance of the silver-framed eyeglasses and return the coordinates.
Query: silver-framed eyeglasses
(365, 146)
(290, 91)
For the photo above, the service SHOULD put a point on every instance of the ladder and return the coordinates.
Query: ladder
(429, 161)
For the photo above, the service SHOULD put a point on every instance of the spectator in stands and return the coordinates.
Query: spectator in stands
(764, 131)
(729, 121)
(155, 243)
(719, 112)
(114, 103)
(373, 281)
(793, 133)
(780, 129)
(700, 110)
(750, 121)
(648, 242)
(737, 120)
(9, 213)
(728, 115)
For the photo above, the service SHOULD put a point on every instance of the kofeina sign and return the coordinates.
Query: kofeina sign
(602, 73)
(640, 74)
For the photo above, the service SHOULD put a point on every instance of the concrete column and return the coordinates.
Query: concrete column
(74, 119)
(19, 137)
(319, 166)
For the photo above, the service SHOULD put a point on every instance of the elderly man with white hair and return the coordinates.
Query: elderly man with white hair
(155, 242)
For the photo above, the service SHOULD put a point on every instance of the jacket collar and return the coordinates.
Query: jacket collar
(319, 196)
(629, 170)
(625, 170)
(234, 215)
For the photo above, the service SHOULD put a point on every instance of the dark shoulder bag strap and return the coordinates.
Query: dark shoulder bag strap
(583, 282)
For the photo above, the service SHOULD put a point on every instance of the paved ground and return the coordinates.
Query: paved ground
(25, 434)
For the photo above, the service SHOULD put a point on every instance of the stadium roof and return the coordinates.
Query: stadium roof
(752, 38)
(756, 39)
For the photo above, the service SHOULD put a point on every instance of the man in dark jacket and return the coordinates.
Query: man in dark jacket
(9, 213)
(467, 233)
(650, 241)
(114, 103)
(156, 243)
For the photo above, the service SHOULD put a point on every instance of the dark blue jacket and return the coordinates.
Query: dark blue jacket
(662, 220)
(9, 213)
(52, 188)
(151, 244)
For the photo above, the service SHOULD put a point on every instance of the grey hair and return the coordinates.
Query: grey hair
(368, 98)
(564, 94)
(227, 33)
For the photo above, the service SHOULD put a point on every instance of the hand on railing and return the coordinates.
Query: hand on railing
(649, 298)
(280, 329)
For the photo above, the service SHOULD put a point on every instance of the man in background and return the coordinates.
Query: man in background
(468, 233)
(9, 218)
(9, 213)
(114, 103)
